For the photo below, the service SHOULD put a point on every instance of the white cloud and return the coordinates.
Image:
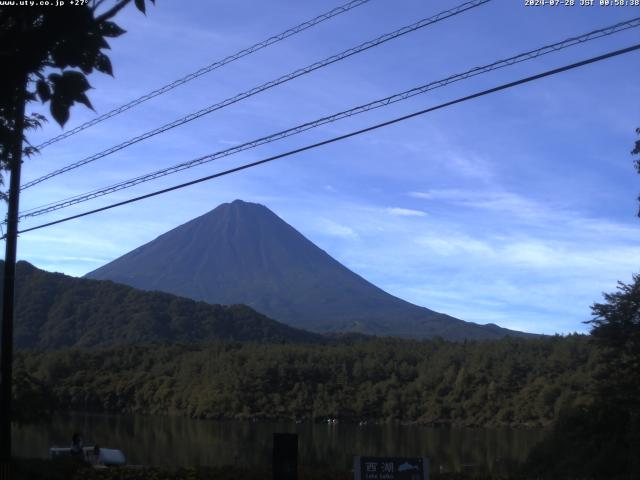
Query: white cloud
(334, 229)
(539, 276)
(405, 212)
(494, 200)
(451, 244)
(469, 165)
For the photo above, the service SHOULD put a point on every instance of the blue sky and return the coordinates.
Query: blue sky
(517, 208)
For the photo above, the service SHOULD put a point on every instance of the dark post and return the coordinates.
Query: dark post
(6, 356)
(285, 456)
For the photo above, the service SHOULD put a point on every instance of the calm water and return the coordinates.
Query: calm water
(175, 441)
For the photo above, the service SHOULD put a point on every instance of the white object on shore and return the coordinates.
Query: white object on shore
(111, 456)
(108, 456)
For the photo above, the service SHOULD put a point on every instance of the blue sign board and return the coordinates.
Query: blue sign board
(390, 468)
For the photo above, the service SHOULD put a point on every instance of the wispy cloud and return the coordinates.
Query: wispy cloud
(334, 229)
(405, 212)
(537, 275)
(446, 245)
(489, 199)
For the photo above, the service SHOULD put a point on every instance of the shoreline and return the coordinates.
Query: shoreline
(305, 421)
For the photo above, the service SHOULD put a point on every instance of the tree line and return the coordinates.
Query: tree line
(524, 382)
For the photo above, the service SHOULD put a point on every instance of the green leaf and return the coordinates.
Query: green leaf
(44, 92)
(75, 82)
(59, 111)
(103, 64)
(102, 43)
(82, 98)
(68, 88)
(110, 29)
(54, 78)
(140, 6)
(86, 63)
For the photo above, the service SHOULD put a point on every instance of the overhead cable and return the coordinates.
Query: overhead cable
(209, 68)
(265, 86)
(529, 55)
(505, 86)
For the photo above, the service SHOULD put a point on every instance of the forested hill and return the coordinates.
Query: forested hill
(524, 382)
(56, 311)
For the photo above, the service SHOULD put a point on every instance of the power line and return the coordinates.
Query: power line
(345, 136)
(265, 86)
(209, 68)
(43, 209)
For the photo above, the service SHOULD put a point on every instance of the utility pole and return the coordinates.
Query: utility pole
(8, 288)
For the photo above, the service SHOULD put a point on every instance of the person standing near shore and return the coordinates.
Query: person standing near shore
(77, 446)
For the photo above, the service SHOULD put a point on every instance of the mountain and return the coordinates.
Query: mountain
(243, 253)
(54, 311)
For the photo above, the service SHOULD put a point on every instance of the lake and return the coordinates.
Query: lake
(178, 441)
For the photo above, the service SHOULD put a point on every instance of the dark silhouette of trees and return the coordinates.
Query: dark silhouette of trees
(602, 440)
(636, 151)
(616, 331)
(46, 52)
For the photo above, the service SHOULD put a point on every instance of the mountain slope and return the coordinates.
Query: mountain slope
(243, 253)
(56, 311)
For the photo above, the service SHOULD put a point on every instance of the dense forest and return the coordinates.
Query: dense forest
(602, 439)
(524, 382)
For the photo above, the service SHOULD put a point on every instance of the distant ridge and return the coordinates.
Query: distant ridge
(56, 311)
(242, 252)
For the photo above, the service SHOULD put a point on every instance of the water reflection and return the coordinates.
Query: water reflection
(177, 441)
